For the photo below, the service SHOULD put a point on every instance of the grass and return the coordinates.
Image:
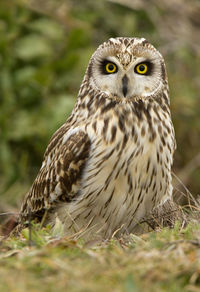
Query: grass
(164, 260)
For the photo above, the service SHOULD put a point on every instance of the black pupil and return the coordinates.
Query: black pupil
(142, 68)
(110, 67)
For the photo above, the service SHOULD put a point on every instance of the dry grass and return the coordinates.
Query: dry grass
(167, 258)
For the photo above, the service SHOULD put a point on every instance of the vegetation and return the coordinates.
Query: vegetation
(44, 50)
(160, 261)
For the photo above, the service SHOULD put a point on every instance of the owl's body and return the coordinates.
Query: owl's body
(110, 164)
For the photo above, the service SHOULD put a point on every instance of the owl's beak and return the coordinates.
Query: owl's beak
(125, 85)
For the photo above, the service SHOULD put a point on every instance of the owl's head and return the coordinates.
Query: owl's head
(126, 68)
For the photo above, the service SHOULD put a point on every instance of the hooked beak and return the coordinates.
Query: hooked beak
(125, 85)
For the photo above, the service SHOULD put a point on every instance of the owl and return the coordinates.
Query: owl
(109, 164)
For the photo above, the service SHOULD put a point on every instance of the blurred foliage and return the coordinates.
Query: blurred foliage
(44, 50)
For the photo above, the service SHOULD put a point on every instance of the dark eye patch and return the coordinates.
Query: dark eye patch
(149, 67)
(103, 67)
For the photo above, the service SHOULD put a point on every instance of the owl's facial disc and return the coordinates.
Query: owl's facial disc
(128, 71)
(141, 78)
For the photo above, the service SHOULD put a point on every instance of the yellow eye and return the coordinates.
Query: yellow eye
(141, 68)
(111, 68)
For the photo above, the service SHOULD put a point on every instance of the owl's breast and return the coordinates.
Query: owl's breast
(128, 173)
(126, 176)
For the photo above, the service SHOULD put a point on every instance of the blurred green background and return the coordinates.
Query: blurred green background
(45, 47)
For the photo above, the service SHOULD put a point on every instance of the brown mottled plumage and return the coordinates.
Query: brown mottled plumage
(110, 163)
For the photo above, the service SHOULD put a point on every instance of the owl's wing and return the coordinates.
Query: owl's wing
(60, 174)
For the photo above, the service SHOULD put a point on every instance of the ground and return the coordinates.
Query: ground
(162, 260)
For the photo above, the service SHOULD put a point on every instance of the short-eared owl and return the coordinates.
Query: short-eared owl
(110, 162)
